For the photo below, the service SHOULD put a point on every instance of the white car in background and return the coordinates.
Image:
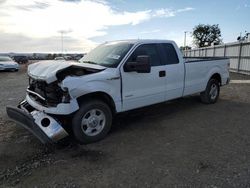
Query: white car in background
(6, 63)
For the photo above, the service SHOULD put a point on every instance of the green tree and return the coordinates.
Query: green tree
(205, 35)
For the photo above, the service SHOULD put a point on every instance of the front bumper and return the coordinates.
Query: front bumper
(44, 127)
(60, 109)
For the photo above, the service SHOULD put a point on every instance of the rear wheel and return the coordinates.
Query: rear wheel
(92, 121)
(212, 92)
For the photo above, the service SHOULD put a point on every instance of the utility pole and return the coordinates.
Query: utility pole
(62, 40)
(185, 38)
(62, 35)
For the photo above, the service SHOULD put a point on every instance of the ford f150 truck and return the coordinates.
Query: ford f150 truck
(80, 99)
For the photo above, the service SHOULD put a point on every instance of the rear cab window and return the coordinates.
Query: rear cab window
(169, 54)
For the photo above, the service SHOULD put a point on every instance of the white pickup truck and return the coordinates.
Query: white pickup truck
(80, 99)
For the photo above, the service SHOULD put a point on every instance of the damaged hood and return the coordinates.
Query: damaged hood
(47, 70)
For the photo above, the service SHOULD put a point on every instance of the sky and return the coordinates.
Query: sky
(38, 25)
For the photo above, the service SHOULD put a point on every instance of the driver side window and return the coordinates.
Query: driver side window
(148, 50)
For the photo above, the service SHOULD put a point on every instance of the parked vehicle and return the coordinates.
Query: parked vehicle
(82, 98)
(78, 57)
(7, 64)
(60, 58)
(65, 58)
(21, 59)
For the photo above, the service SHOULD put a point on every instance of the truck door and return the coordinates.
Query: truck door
(175, 71)
(142, 89)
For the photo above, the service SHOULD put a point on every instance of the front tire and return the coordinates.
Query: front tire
(92, 121)
(212, 92)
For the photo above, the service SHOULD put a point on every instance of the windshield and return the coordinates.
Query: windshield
(5, 58)
(108, 54)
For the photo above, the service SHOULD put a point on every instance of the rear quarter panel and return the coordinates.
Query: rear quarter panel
(198, 74)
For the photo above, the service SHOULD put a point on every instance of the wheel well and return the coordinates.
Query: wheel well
(100, 96)
(217, 77)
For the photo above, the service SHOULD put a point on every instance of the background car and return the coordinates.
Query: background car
(6, 63)
(66, 58)
(21, 59)
(59, 58)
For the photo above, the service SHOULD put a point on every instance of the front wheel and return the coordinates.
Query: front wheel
(212, 92)
(92, 121)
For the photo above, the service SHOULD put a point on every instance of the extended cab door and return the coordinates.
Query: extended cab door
(175, 71)
(142, 89)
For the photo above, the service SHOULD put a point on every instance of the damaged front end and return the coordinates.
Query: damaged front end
(47, 95)
(45, 127)
(46, 100)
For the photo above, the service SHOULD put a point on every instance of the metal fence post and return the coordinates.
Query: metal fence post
(225, 48)
(214, 52)
(239, 57)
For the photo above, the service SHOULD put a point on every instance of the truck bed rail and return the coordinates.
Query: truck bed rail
(195, 59)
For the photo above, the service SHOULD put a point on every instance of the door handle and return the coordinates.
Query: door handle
(162, 73)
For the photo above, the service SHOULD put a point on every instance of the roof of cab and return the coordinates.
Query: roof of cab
(138, 41)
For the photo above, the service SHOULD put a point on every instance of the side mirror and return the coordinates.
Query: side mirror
(142, 65)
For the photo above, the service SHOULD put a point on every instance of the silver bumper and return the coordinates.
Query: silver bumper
(49, 126)
(46, 128)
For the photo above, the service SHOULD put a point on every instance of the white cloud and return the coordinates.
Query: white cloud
(164, 13)
(184, 9)
(85, 19)
(170, 12)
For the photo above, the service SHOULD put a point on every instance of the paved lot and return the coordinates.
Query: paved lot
(182, 143)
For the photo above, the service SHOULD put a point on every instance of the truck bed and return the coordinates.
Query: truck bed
(199, 69)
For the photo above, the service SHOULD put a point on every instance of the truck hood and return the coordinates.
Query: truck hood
(47, 70)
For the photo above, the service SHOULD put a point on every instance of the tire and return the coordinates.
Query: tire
(212, 92)
(91, 122)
